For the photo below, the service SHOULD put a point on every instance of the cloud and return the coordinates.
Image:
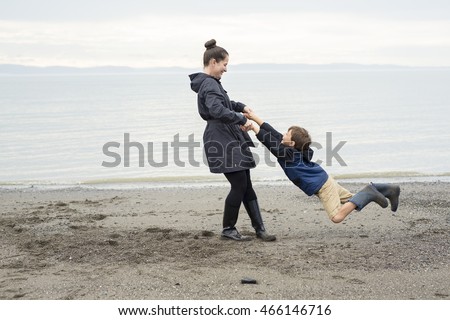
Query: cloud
(177, 39)
(96, 10)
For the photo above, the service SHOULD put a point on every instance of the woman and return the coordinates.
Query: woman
(227, 147)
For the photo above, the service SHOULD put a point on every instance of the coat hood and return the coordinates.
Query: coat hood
(197, 80)
(304, 156)
(307, 155)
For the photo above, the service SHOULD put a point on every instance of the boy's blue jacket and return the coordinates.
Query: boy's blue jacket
(305, 174)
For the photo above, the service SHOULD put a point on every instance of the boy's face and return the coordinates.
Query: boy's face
(287, 139)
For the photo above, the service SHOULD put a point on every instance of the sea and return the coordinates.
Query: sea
(144, 130)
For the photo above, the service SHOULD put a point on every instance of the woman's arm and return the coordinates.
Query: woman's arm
(214, 102)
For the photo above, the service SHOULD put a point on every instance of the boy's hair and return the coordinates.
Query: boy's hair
(301, 138)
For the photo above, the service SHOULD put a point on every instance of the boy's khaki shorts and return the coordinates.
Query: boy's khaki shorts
(333, 196)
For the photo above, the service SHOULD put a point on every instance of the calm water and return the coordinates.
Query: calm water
(53, 129)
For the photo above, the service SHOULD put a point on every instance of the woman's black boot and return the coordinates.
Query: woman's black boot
(229, 232)
(254, 213)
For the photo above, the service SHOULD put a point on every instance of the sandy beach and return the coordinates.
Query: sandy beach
(164, 243)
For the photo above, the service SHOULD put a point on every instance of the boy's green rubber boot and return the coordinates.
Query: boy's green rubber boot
(366, 196)
(390, 191)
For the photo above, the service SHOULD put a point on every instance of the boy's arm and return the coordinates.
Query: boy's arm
(271, 138)
(260, 124)
(254, 117)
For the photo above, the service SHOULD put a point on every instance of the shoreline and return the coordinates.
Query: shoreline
(218, 181)
(164, 243)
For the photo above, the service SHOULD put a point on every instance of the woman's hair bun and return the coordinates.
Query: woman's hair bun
(210, 44)
(213, 52)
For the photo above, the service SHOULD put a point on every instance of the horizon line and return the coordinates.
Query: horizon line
(234, 65)
(19, 69)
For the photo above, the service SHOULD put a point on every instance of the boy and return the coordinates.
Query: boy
(294, 155)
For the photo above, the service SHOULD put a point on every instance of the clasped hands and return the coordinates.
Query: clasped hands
(249, 125)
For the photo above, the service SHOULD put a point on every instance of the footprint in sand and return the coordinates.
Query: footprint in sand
(355, 281)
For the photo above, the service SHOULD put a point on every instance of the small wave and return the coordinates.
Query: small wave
(394, 176)
(217, 179)
(386, 174)
(390, 174)
(171, 179)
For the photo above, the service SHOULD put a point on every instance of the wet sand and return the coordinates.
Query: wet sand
(80, 243)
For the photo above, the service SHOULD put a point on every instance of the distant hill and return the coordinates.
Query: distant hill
(21, 69)
(14, 69)
(315, 67)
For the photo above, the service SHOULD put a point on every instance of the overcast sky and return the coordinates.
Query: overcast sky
(144, 33)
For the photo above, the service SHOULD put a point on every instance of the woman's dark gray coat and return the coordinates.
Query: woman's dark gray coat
(226, 146)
